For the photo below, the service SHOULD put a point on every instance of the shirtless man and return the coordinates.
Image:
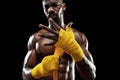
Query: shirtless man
(57, 48)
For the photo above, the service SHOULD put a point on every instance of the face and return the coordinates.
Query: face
(53, 8)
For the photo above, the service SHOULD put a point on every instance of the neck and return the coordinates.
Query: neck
(60, 22)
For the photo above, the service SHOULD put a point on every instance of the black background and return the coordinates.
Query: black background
(21, 19)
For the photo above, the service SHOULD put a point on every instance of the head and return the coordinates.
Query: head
(54, 9)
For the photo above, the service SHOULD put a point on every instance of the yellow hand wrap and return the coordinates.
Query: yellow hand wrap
(67, 42)
(46, 67)
(58, 51)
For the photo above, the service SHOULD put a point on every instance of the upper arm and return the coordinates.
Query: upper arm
(31, 58)
(83, 41)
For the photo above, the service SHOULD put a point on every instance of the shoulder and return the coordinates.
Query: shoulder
(33, 39)
(81, 38)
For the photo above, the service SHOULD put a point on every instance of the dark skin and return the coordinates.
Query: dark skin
(42, 43)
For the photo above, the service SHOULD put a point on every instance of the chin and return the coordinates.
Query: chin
(55, 19)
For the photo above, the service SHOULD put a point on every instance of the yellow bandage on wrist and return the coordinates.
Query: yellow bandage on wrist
(58, 51)
(67, 42)
(38, 71)
(46, 67)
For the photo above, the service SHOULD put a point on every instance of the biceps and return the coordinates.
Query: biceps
(31, 58)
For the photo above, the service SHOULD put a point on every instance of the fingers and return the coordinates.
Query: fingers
(54, 24)
(48, 29)
(70, 24)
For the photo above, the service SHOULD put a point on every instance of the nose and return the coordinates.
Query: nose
(51, 9)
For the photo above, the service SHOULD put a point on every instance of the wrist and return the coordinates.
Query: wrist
(76, 52)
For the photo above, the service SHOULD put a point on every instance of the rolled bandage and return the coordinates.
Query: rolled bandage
(58, 51)
(67, 42)
(46, 67)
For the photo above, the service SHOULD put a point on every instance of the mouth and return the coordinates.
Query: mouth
(52, 16)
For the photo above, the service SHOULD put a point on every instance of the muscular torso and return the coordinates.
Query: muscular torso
(43, 47)
(39, 47)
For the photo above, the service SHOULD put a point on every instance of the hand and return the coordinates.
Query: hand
(65, 40)
(55, 30)
(46, 67)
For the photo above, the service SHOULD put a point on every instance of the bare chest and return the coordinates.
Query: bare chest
(45, 46)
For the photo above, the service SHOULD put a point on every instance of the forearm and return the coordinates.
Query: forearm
(86, 69)
(78, 52)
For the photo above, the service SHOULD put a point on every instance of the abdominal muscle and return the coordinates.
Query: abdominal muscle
(65, 71)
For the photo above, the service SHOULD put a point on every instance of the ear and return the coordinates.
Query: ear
(64, 6)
